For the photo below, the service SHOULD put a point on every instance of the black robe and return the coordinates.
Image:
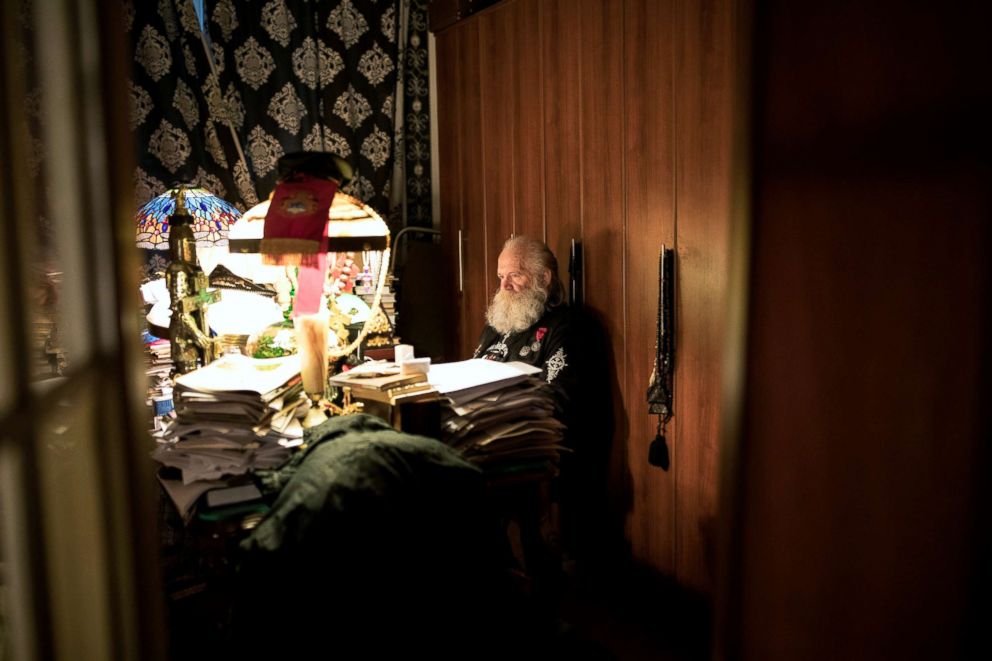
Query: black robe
(549, 344)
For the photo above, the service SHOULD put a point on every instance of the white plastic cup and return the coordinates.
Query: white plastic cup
(402, 353)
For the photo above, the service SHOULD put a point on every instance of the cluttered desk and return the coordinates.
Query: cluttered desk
(290, 422)
(239, 416)
(259, 494)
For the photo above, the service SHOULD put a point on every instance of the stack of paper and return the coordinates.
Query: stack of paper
(158, 366)
(468, 379)
(499, 415)
(158, 359)
(234, 415)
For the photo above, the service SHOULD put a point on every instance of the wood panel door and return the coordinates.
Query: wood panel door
(610, 123)
(704, 74)
(864, 490)
(491, 153)
(512, 98)
(461, 160)
(649, 147)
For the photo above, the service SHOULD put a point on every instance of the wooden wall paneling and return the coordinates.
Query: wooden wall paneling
(571, 117)
(703, 80)
(866, 500)
(460, 121)
(499, 42)
(561, 47)
(650, 215)
(450, 118)
(474, 153)
(527, 139)
(861, 526)
(601, 187)
(601, 183)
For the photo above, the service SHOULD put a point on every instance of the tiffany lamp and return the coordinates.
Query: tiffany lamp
(212, 217)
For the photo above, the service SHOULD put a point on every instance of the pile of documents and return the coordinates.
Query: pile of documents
(232, 416)
(499, 415)
(158, 366)
(158, 358)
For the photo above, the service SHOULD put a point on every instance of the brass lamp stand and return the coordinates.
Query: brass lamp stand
(191, 344)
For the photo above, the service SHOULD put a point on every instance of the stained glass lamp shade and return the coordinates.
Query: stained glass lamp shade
(212, 217)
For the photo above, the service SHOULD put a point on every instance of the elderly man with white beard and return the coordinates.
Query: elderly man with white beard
(527, 319)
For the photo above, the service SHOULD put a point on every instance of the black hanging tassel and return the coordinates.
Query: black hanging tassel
(658, 454)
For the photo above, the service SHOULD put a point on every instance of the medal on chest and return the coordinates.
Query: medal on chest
(534, 346)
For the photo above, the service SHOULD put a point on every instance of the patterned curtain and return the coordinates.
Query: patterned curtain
(177, 137)
(299, 75)
(282, 76)
(413, 120)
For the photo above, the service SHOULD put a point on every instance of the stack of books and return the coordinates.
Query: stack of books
(232, 416)
(158, 358)
(500, 416)
(158, 368)
(384, 390)
(365, 289)
(384, 382)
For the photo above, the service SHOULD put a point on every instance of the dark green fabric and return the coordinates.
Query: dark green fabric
(381, 543)
(358, 461)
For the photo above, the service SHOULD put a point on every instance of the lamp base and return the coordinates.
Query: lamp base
(315, 416)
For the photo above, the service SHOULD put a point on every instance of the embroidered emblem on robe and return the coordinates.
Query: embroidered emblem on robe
(498, 351)
(556, 364)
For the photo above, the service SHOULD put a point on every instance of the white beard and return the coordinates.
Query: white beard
(511, 312)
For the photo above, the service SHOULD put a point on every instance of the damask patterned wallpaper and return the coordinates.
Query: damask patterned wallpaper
(349, 77)
(417, 123)
(173, 128)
